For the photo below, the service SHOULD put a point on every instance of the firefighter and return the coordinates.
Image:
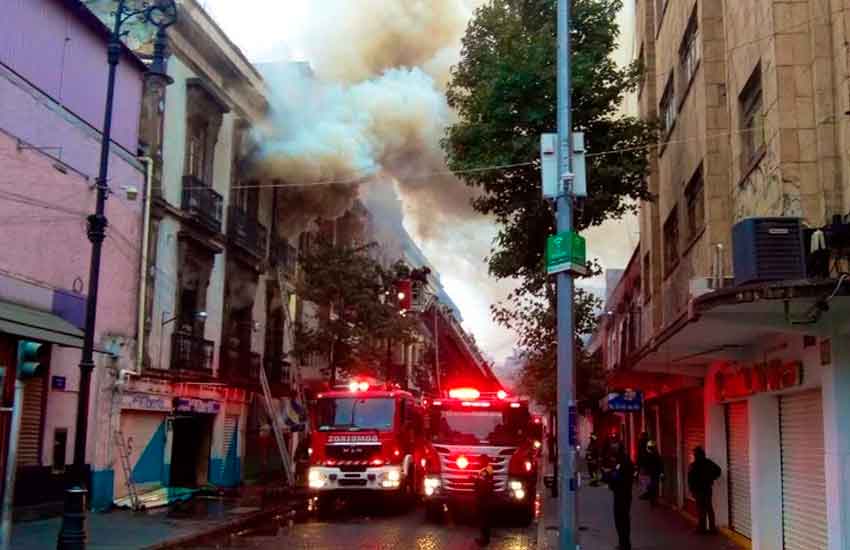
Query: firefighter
(484, 497)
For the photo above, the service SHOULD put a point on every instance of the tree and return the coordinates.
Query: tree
(504, 92)
(362, 318)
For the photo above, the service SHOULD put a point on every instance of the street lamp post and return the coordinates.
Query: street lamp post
(161, 14)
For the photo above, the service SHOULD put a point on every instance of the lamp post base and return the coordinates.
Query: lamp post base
(72, 535)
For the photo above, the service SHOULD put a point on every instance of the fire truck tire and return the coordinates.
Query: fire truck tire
(326, 506)
(525, 514)
(406, 497)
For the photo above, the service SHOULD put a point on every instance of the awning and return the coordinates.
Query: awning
(38, 325)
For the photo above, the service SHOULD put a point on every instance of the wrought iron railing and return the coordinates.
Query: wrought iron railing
(247, 232)
(202, 203)
(191, 353)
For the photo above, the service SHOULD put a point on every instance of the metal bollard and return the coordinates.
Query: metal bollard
(72, 536)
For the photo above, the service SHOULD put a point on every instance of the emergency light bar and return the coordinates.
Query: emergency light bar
(358, 386)
(464, 393)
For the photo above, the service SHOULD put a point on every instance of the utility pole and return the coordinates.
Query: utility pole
(566, 361)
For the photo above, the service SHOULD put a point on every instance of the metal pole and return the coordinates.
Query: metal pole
(566, 375)
(96, 232)
(11, 458)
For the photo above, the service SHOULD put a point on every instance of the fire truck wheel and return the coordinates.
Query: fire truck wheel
(407, 494)
(326, 506)
(525, 514)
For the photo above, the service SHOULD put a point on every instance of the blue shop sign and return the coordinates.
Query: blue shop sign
(624, 401)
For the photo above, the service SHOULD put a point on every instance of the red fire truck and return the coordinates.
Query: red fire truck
(366, 438)
(464, 427)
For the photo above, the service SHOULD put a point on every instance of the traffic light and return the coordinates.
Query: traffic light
(29, 359)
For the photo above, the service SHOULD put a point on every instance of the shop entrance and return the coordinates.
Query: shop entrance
(190, 449)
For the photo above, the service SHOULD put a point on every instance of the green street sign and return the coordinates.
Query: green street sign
(566, 252)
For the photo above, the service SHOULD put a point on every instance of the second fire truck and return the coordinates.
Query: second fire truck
(467, 426)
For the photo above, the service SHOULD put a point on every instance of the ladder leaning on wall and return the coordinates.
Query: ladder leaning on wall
(124, 453)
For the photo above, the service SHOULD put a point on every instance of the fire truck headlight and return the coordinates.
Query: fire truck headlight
(316, 479)
(394, 475)
(517, 489)
(537, 444)
(528, 466)
(431, 484)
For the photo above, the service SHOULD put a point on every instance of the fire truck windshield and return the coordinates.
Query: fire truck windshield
(356, 414)
(476, 427)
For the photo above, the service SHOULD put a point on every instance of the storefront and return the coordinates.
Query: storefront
(178, 435)
(775, 459)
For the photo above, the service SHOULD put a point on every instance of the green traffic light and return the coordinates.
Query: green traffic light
(29, 359)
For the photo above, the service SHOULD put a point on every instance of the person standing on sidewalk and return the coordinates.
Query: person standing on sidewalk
(620, 479)
(653, 468)
(702, 474)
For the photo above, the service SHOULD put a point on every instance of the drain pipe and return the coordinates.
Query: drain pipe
(143, 268)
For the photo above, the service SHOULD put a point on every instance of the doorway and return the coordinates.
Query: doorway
(190, 450)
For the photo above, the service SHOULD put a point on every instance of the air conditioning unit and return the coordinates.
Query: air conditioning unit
(704, 285)
(768, 249)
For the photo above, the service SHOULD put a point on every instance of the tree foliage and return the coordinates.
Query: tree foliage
(361, 319)
(504, 91)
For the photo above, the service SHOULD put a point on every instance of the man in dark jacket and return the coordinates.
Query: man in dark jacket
(702, 474)
(620, 479)
(653, 468)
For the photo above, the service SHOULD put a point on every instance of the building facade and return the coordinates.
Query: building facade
(52, 111)
(750, 363)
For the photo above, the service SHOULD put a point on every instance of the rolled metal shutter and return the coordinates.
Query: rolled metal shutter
(231, 425)
(803, 477)
(738, 448)
(29, 438)
(693, 435)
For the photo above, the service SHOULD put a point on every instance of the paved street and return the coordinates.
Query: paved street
(356, 530)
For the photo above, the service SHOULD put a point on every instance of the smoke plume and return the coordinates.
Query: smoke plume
(326, 138)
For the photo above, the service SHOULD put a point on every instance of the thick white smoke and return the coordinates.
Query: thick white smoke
(324, 138)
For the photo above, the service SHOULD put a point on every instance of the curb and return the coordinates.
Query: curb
(220, 529)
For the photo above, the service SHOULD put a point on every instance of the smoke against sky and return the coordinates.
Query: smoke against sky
(376, 111)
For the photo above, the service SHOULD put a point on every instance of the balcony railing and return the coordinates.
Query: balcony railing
(190, 353)
(284, 255)
(202, 203)
(246, 231)
(241, 368)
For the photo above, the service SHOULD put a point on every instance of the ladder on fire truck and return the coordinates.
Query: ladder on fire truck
(124, 453)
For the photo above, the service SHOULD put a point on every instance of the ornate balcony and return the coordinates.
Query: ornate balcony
(189, 353)
(247, 232)
(202, 204)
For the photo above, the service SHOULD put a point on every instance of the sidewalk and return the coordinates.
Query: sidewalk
(160, 528)
(652, 529)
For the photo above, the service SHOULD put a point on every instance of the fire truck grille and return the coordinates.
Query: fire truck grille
(457, 480)
(353, 454)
